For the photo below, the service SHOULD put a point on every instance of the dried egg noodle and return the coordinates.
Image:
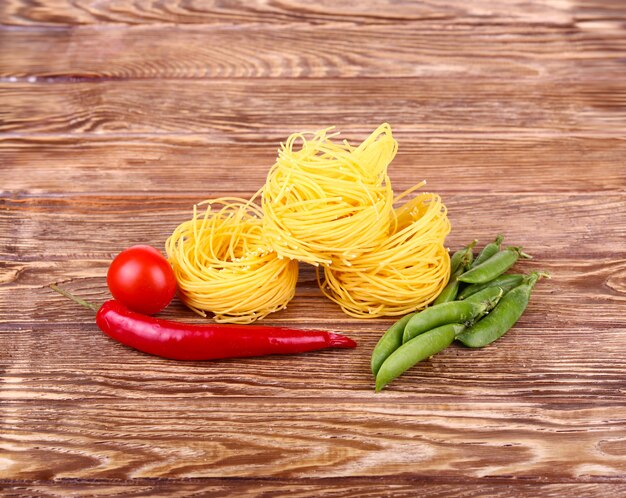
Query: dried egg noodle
(223, 265)
(405, 273)
(325, 201)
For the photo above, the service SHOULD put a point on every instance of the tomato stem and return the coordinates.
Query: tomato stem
(74, 298)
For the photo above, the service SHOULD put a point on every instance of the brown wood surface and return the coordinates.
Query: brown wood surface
(116, 117)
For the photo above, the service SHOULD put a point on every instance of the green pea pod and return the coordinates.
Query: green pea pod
(506, 282)
(388, 343)
(492, 294)
(488, 251)
(502, 317)
(443, 314)
(462, 256)
(449, 292)
(423, 346)
(459, 262)
(495, 266)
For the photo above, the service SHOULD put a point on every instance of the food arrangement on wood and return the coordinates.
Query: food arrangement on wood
(119, 117)
(331, 205)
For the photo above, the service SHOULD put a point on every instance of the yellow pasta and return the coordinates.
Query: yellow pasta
(325, 201)
(405, 273)
(223, 264)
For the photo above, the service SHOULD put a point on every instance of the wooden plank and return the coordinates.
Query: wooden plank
(533, 362)
(55, 239)
(334, 49)
(548, 355)
(81, 12)
(300, 488)
(516, 116)
(99, 226)
(600, 280)
(246, 109)
(124, 439)
(454, 163)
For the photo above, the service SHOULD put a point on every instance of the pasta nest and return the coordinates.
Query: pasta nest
(404, 273)
(223, 264)
(325, 201)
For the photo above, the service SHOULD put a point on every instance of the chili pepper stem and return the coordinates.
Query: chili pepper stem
(74, 298)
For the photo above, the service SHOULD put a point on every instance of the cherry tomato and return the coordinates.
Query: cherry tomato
(142, 279)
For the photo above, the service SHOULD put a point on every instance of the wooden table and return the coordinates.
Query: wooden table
(116, 117)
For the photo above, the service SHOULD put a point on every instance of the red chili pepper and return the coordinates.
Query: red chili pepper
(180, 341)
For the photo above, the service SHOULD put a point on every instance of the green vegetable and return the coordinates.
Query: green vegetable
(449, 292)
(506, 282)
(459, 262)
(502, 317)
(496, 265)
(388, 343)
(464, 256)
(492, 294)
(442, 314)
(489, 250)
(421, 347)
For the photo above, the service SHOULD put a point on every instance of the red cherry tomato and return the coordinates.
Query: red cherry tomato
(142, 279)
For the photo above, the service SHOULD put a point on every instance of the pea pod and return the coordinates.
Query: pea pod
(459, 262)
(389, 342)
(495, 266)
(488, 251)
(506, 282)
(492, 294)
(416, 350)
(502, 317)
(464, 255)
(449, 292)
(442, 314)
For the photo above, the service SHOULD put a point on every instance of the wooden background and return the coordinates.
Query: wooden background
(117, 116)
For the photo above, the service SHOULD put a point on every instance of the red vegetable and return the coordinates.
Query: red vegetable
(180, 341)
(142, 279)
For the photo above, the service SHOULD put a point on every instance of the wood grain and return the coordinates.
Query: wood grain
(81, 12)
(344, 50)
(56, 227)
(337, 488)
(533, 363)
(194, 166)
(246, 109)
(250, 437)
(115, 117)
